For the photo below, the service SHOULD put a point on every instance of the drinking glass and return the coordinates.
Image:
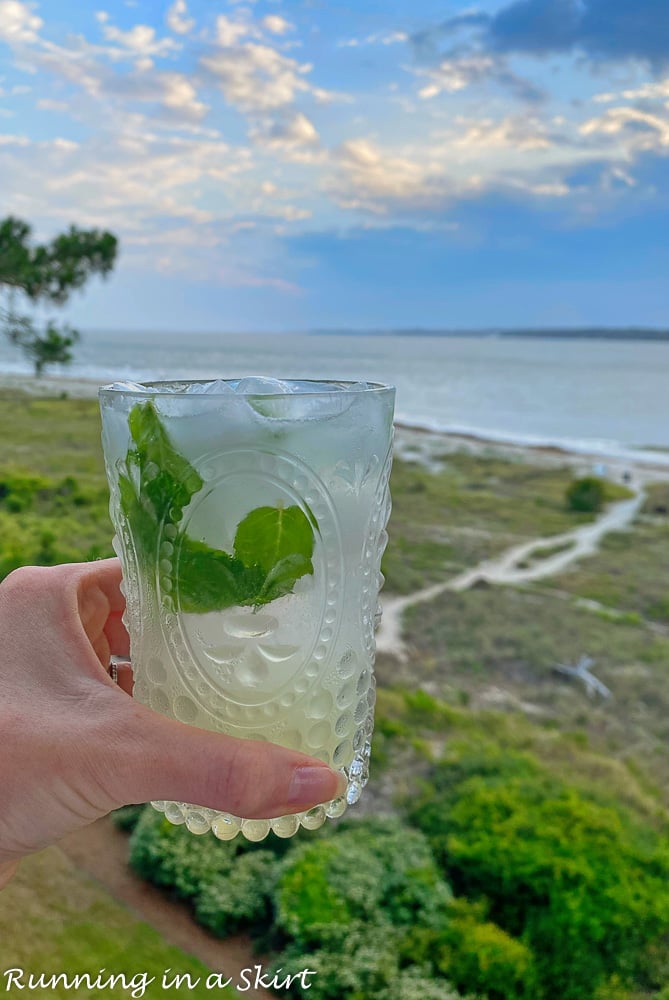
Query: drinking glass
(250, 521)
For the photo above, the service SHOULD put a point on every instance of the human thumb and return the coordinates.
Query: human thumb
(160, 758)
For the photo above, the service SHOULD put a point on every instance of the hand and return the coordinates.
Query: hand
(74, 745)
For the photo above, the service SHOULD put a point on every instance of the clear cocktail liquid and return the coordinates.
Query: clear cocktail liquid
(281, 497)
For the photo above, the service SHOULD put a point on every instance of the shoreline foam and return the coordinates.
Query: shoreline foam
(426, 437)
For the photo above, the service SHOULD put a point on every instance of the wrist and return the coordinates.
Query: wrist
(7, 869)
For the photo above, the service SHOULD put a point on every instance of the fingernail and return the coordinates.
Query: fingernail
(310, 786)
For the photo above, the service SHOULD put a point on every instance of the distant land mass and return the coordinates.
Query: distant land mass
(569, 333)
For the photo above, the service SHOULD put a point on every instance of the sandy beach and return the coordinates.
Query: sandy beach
(419, 444)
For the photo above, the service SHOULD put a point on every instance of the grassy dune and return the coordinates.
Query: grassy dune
(54, 919)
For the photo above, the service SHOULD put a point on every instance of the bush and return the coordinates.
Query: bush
(357, 961)
(412, 985)
(473, 953)
(242, 898)
(580, 882)
(172, 857)
(369, 871)
(127, 817)
(586, 495)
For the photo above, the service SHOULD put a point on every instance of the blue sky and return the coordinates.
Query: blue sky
(291, 164)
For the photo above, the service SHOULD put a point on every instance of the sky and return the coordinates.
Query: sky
(296, 164)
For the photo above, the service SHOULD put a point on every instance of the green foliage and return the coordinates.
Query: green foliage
(586, 495)
(44, 521)
(55, 918)
(127, 817)
(53, 347)
(469, 508)
(579, 881)
(371, 870)
(272, 547)
(241, 898)
(476, 954)
(410, 984)
(357, 960)
(48, 272)
(172, 857)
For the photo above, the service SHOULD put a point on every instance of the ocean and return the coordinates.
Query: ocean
(608, 397)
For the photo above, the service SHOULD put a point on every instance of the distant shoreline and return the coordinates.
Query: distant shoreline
(414, 435)
(530, 333)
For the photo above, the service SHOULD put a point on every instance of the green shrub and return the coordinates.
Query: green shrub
(127, 817)
(356, 961)
(411, 984)
(582, 883)
(478, 955)
(172, 857)
(242, 898)
(586, 495)
(18, 490)
(373, 870)
(473, 953)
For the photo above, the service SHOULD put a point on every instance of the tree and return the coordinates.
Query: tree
(586, 495)
(47, 273)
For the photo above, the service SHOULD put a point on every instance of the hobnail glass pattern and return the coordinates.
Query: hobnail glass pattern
(214, 677)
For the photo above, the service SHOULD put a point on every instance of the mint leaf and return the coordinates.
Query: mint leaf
(273, 546)
(269, 534)
(282, 578)
(280, 542)
(211, 580)
(167, 479)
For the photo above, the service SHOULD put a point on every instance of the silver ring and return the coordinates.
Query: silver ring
(113, 672)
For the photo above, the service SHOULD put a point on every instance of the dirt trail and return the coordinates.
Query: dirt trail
(515, 565)
(101, 850)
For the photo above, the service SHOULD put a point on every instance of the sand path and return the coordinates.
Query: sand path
(516, 564)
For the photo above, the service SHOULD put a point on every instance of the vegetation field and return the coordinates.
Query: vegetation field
(471, 507)
(513, 843)
(54, 920)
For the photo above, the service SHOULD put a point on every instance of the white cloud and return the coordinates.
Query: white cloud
(14, 140)
(378, 38)
(295, 131)
(452, 75)
(658, 90)
(179, 95)
(178, 20)
(638, 130)
(541, 189)
(276, 25)
(256, 77)
(140, 40)
(48, 104)
(18, 24)
(524, 133)
(372, 178)
(229, 33)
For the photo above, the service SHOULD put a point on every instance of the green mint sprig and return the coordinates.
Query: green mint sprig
(273, 546)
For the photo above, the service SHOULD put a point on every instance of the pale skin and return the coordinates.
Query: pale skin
(74, 745)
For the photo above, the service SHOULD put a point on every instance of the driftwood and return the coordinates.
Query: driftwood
(581, 671)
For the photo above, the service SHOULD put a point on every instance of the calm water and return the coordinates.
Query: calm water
(586, 394)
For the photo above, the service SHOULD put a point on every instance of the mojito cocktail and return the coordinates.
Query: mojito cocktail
(250, 522)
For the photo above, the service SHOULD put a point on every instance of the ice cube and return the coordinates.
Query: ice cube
(260, 385)
(302, 400)
(127, 386)
(218, 386)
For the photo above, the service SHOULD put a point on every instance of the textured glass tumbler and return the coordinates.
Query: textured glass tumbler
(250, 526)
